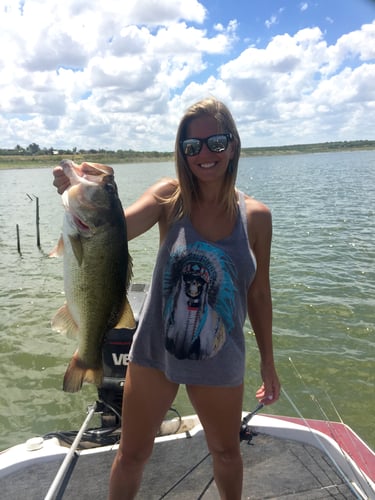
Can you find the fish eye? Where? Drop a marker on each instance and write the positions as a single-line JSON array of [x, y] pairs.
[[110, 188]]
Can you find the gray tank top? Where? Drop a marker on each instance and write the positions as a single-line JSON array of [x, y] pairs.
[[192, 323]]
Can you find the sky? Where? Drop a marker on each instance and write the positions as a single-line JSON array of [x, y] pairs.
[[112, 74]]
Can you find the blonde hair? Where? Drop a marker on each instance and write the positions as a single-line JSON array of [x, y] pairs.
[[187, 189]]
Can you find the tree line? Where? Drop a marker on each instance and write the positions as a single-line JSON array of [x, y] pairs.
[[33, 150]]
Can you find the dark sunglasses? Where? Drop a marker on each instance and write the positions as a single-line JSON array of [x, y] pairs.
[[216, 143]]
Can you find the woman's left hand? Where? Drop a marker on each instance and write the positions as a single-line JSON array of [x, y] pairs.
[[269, 391]]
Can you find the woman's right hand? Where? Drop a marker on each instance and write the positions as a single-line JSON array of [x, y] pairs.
[[60, 181]]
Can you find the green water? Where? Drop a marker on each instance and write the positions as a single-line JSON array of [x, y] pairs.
[[323, 283]]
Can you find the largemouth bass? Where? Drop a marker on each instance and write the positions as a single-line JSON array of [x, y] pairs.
[[97, 268]]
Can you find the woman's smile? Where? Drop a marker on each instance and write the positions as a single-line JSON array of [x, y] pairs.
[[207, 165]]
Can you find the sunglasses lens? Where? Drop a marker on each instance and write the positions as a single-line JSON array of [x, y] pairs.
[[217, 143], [191, 147]]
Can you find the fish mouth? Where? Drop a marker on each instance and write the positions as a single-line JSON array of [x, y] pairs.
[[81, 226], [86, 173], [73, 217]]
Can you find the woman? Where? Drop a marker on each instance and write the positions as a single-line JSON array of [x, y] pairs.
[[211, 270]]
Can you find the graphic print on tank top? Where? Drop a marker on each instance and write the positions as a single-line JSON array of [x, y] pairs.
[[198, 300]]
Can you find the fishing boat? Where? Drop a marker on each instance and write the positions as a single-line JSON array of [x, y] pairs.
[[284, 457]]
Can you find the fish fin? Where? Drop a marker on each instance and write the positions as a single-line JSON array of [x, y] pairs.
[[63, 322], [77, 373], [77, 247], [59, 249], [127, 318]]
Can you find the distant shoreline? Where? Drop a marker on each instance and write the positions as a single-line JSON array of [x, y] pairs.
[[9, 161]]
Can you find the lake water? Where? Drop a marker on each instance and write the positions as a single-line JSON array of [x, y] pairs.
[[323, 284]]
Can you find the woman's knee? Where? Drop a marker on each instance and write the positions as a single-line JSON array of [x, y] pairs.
[[226, 454], [130, 457]]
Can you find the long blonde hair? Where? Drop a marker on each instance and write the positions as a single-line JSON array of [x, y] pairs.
[[187, 189]]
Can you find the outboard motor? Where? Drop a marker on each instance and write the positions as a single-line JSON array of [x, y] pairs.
[[115, 355]]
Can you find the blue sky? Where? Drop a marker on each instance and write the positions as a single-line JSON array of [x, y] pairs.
[[260, 19], [119, 75]]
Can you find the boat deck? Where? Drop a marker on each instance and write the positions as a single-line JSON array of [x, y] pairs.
[[181, 469]]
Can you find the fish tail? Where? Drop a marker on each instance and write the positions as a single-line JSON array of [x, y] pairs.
[[77, 373]]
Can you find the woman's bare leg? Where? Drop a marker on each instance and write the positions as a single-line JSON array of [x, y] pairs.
[[148, 396], [219, 410]]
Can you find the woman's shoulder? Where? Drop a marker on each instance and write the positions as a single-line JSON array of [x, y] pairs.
[[255, 207], [164, 188], [259, 223]]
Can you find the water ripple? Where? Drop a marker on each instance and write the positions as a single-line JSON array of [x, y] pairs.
[[322, 274]]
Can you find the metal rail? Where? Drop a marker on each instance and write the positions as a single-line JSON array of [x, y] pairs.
[[56, 483]]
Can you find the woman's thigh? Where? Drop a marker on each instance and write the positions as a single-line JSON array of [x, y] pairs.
[[148, 395], [220, 412]]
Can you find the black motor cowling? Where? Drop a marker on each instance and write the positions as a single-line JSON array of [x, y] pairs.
[[116, 347], [115, 356]]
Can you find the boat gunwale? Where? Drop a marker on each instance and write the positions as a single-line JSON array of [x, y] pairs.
[[356, 461]]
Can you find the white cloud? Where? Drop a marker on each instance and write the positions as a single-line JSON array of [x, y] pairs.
[[88, 75], [301, 85], [157, 12], [271, 21], [357, 44]]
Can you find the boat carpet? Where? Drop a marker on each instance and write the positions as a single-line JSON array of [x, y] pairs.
[[273, 469]]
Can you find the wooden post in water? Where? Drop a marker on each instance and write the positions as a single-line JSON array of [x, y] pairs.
[[18, 239], [37, 222]]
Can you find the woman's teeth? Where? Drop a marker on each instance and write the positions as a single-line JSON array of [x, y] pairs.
[[207, 165]]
